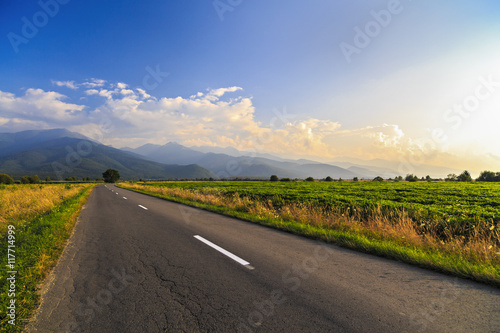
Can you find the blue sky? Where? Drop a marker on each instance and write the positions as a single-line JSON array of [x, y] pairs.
[[233, 72]]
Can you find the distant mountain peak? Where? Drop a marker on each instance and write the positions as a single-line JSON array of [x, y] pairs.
[[173, 144]]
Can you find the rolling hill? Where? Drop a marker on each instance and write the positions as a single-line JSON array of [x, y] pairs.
[[59, 154]]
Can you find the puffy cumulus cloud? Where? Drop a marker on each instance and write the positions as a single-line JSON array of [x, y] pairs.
[[298, 138], [205, 118], [39, 108], [111, 90], [121, 85], [92, 92], [386, 141], [143, 94], [209, 119]]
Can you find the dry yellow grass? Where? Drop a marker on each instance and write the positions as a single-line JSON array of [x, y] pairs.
[[479, 247], [21, 202]]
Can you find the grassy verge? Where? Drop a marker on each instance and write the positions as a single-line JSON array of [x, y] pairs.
[[39, 243], [395, 238]]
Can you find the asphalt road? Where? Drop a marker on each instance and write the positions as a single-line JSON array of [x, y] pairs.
[[135, 265]]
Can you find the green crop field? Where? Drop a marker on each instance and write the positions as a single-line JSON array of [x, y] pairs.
[[445, 202]]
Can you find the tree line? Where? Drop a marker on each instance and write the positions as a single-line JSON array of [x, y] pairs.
[[109, 176]]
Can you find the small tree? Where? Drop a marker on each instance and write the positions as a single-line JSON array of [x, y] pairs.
[[273, 178], [489, 176], [355, 179], [309, 179], [47, 179], [111, 176], [451, 178], [378, 179], [464, 177], [328, 179], [411, 178], [6, 179], [25, 180], [34, 179]]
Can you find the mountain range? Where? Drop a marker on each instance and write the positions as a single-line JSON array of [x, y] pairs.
[[230, 163], [242, 166], [59, 153]]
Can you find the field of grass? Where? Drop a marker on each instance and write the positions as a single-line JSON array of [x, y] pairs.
[[450, 227], [36, 220], [19, 203]]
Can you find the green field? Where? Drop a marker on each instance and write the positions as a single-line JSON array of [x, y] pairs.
[[445, 202], [35, 222], [451, 227]]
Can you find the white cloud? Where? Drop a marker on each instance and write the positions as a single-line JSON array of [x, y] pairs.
[[106, 93], [92, 92], [126, 92], [143, 93], [132, 118], [94, 83], [68, 84], [37, 105], [205, 119], [221, 91]]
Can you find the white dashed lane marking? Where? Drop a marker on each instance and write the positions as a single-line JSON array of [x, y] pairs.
[[225, 252]]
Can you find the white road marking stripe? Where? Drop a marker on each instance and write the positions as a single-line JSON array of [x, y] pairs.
[[225, 252], [143, 207], [124, 198]]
